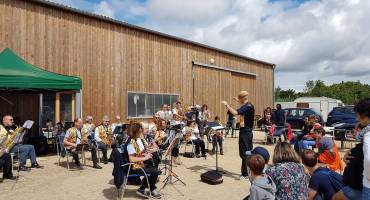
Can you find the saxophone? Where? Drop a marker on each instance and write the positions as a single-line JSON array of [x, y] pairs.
[[8, 143]]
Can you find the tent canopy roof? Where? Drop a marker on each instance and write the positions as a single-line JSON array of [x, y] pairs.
[[18, 75]]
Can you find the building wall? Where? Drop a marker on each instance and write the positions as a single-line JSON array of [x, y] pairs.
[[112, 59]]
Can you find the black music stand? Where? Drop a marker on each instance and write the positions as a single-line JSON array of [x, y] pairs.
[[216, 127], [171, 174]]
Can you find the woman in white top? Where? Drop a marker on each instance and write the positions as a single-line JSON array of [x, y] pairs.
[[363, 114], [137, 155], [191, 132]]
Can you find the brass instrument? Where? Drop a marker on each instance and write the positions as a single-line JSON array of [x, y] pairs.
[[8, 143]]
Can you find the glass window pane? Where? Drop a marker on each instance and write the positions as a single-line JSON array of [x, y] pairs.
[[167, 100], [131, 105], [158, 102], [66, 107], [48, 108]]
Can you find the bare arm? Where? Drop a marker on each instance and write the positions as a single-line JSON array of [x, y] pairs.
[[311, 194], [229, 108]]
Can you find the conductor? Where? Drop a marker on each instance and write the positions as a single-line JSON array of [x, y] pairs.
[[246, 112]]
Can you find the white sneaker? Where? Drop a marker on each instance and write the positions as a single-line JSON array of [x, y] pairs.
[[244, 178], [155, 194]]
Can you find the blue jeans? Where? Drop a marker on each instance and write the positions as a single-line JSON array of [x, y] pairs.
[[25, 151], [351, 194], [365, 193]]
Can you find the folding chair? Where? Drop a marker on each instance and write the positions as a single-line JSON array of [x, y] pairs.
[[61, 148], [122, 189]]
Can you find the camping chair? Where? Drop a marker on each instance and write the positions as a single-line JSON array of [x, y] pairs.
[[122, 189], [61, 148]]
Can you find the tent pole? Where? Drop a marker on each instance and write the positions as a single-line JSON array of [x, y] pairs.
[[40, 112]]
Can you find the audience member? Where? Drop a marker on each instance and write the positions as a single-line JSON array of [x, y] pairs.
[[262, 186], [363, 113], [328, 152], [324, 183], [262, 152], [288, 174]]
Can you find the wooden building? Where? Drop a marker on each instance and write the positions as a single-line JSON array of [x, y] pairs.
[[126, 69]]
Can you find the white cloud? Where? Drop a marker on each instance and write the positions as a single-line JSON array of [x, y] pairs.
[[103, 8], [319, 39]]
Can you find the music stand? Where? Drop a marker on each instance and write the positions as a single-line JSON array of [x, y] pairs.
[[171, 174], [216, 127]]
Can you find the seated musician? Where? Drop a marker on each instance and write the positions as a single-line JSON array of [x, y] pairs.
[[73, 138], [165, 113], [218, 137], [141, 158], [5, 159], [150, 144], [160, 134], [87, 128], [191, 133], [102, 136], [178, 120], [25, 150]]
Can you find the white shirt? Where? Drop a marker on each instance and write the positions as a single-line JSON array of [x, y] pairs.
[[131, 148], [165, 115], [366, 149], [194, 132]]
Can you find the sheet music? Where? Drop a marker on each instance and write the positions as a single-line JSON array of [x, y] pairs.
[[217, 128], [28, 124]]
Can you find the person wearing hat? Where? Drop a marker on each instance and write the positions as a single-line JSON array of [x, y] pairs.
[[262, 152], [246, 112]]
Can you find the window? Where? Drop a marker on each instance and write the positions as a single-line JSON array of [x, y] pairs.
[[144, 105], [66, 107], [48, 108]]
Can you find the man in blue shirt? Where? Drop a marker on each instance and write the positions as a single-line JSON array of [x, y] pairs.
[[324, 183], [246, 112]]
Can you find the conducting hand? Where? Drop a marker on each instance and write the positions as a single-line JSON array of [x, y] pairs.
[[225, 103]]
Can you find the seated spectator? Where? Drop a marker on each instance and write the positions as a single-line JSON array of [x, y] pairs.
[[288, 174], [309, 140], [262, 186], [262, 152], [352, 175], [324, 183], [328, 152]]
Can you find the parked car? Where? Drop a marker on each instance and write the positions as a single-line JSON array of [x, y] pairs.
[[344, 114], [340, 129], [295, 116]]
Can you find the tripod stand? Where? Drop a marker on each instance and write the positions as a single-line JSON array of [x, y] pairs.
[[171, 175]]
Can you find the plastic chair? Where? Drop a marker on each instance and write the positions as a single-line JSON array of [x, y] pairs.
[[122, 189]]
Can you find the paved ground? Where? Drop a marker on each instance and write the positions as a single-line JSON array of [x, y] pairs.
[[56, 182]]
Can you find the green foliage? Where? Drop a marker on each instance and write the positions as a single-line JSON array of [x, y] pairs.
[[349, 92]]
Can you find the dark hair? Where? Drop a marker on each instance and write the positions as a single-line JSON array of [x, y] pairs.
[[178, 102], [204, 106], [278, 106], [363, 108], [256, 164], [283, 152], [217, 118], [321, 131], [133, 129], [309, 158], [189, 122]]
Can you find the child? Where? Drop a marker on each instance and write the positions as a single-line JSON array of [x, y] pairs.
[[262, 185]]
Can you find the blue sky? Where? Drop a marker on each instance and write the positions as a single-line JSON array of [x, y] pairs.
[[306, 39]]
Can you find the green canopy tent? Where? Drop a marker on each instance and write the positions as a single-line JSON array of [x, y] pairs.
[[18, 75]]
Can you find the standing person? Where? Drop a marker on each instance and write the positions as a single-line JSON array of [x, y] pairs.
[[262, 186], [288, 174], [324, 183], [363, 114], [246, 112], [279, 116]]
